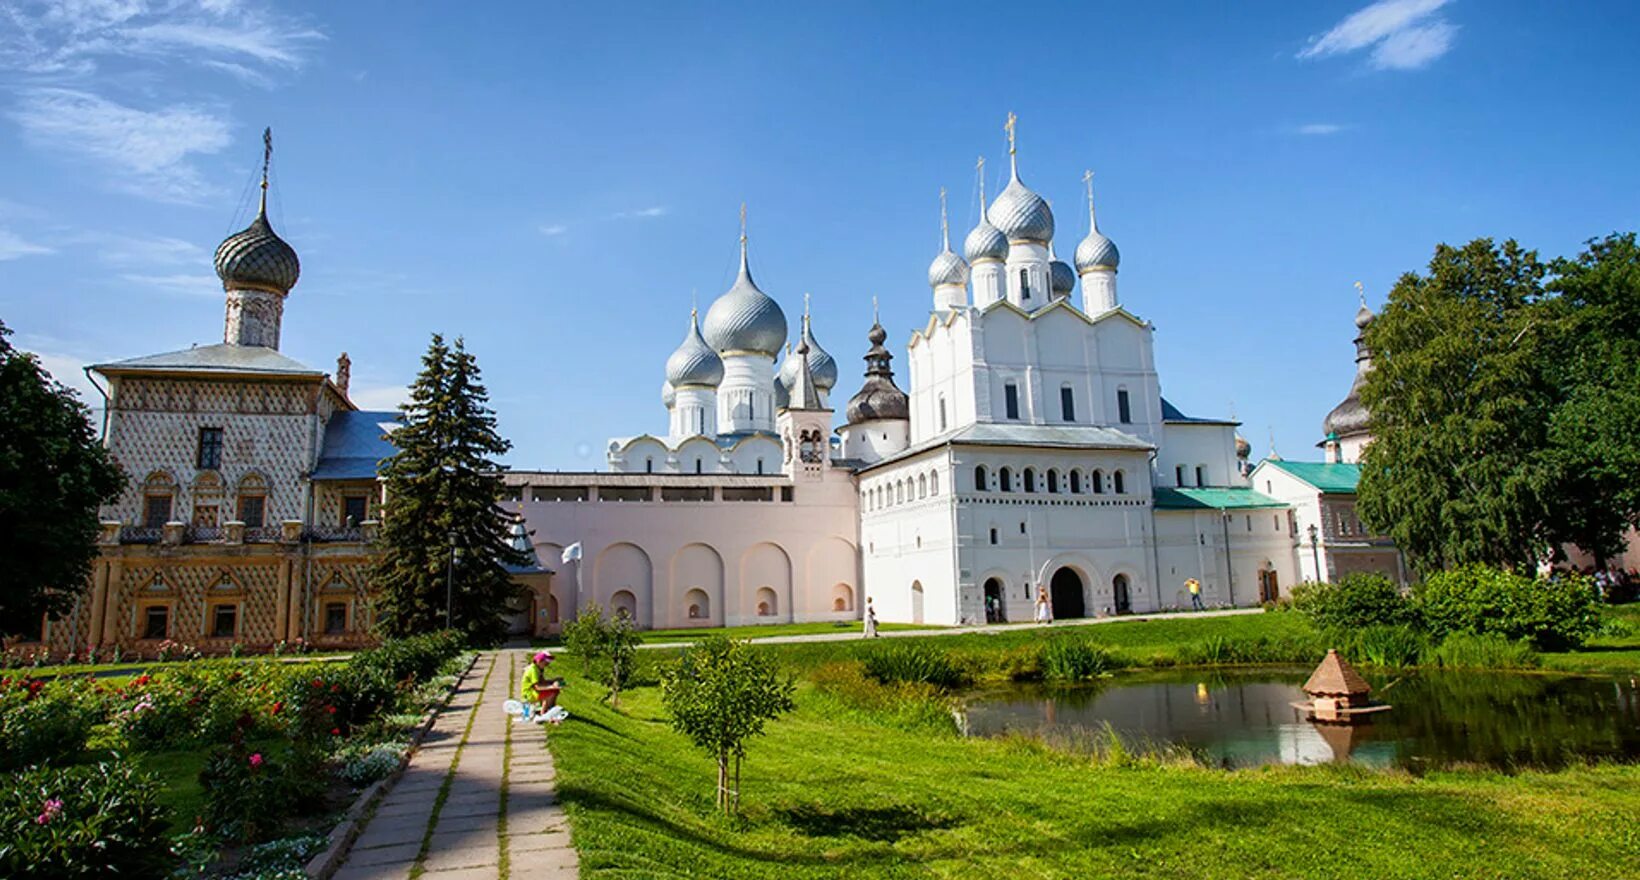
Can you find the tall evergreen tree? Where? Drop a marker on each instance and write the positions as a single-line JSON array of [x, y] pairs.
[[442, 487], [1457, 471], [53, 476]]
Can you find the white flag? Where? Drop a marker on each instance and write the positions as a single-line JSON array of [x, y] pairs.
[[572, 553]]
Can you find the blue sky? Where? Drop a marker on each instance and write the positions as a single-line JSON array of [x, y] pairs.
[[556, 181]]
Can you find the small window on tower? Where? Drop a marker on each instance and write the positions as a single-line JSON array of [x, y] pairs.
[[1067, 403], [1124, 412], [1010, 400], [1201, 475], [942, 412], [1024, 284]]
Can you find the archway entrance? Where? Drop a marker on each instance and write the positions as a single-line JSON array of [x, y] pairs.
[[1124, 596], [1066, 591], [994, 611]]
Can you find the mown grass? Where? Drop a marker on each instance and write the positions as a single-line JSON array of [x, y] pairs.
[[835, 793], [760, 631]]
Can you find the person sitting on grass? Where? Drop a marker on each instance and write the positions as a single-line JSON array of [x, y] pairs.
[[538, 693]]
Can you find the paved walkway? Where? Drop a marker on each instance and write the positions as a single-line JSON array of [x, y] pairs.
[[854, 635], [477, 801]]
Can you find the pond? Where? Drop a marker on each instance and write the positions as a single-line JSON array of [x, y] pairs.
[[1245, 718]]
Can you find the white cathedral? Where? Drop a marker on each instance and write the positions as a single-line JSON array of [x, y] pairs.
[[1034, 449]]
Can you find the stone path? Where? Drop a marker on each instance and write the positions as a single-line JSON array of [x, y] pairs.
[[477, 801], [854, 635]]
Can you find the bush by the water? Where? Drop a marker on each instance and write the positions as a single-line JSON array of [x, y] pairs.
[[1554, 614], [103, 820], [1354, 600], [917, 663], [1068, 658]]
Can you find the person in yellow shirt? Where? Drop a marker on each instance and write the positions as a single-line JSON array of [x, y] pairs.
[[537, 692], [1195, 588]]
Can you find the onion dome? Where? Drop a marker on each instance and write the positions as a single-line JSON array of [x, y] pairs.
[[821, 363], [1019, 213], [694, 362], [745, 319], [256, 258], [1350, 417], [1363, 317], [1060, 276], [984, 241], [947, 268], [669, 395], [1096, 252], [878, 397]]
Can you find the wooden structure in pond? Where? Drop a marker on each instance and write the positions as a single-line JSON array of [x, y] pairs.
[[1337, 693]]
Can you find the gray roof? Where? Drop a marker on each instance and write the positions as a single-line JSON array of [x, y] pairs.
[[1041, 436], [1171, 413], [218, 358], [355, 445]]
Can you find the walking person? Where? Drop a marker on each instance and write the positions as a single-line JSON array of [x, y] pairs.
[[871, 620], [1195, 588], [1044, 609]]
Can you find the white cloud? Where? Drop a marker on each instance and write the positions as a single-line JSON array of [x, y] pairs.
[[554, 230], [137, 250], [383, 397], [13, 246], [642, 213], [1403, 34], [1318, 129], [147, 152], [69, 37], [185, 285], [70, 371]]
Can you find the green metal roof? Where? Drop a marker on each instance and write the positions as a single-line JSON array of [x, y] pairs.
[[1341, 478], [1213, 499]]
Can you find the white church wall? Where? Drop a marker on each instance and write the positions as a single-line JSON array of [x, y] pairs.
[[747, 456], [1210, 447], [1191, 544]]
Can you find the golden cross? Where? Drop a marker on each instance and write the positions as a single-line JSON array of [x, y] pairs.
[[1362, 293], [1010, 127]]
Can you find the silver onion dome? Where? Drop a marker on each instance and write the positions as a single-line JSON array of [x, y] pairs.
[[745, 319], [1363, 317], [1097, 252], [821, 364], [256, 258], [1021, 214], [985, 242], [669, 395], [694, 362], [947, 268], [1062, 279]]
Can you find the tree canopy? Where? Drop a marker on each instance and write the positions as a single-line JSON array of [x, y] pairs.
[[1502, 405], [53, 476], [442, 487]]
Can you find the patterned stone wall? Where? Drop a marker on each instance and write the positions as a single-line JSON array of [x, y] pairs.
[[328, 498], [269, 428]]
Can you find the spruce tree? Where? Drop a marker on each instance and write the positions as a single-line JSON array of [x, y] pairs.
[[442, 488], [53, 476]]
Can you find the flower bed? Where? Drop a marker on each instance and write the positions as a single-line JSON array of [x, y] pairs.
[[285, 748]]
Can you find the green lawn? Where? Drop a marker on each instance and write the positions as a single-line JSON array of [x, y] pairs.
[[831, 792], [763, 631], [1610, 654]]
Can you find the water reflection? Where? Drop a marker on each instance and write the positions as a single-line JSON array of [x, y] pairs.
[[1246, 719]]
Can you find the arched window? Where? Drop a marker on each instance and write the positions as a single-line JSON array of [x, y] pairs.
[[698, 466], [980, 484], [993, 534], [1096, 481], [768, 604], [1076, 482], [1201, 474], [649, 465], [158, 494], [1030, 479], [1006, 477], [942, 412], [1178, 475], [1116, 484], [933, 482], [253, 501], [1053, 481], [922, 487], [1024, 284]]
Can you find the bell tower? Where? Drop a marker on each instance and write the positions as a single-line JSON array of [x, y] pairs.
[[804, 424]]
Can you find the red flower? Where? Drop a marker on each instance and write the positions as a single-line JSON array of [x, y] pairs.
[[335, 731], [317, 683], [256, 759], [330, 710], [335, 688], [276, 708]]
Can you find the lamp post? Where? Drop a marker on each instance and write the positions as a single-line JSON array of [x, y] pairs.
[[1315, 551], [449, 578]]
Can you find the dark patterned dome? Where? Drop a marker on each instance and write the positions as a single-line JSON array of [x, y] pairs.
[[257, 258], [879, 397]]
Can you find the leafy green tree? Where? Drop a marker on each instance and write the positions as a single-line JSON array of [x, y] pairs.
[[53, 476], [1593, 436], [608, 647], [1458, 470], [1355, 600], [442, 488], [1554, 614], [720, 694]]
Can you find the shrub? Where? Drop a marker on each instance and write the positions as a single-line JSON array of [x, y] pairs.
[[365, 763], [41, 723], [1072, 659], [915, 707], [1554, 614], [89, 821], [607, 648], [248, 792], [1354, 600], [1383, 645], [916, 663], [1467, 651]]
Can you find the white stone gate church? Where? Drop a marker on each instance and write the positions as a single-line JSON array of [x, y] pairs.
[[1035, 447]]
